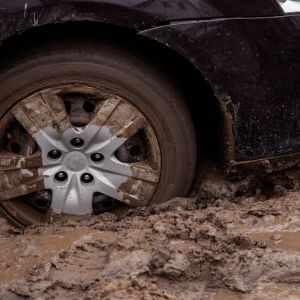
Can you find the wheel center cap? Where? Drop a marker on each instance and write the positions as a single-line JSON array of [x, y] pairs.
[[75, 161]]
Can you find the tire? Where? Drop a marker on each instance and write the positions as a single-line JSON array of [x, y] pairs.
[[128, 75]]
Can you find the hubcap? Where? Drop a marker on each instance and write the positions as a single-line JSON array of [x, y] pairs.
[[108, 153]]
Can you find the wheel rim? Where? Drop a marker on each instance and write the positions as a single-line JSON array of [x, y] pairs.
[[76, 150]]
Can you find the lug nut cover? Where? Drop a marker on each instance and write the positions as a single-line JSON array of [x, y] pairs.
[[77, 142], [97, 157], [61, 176], [87, 178], [54, 154]]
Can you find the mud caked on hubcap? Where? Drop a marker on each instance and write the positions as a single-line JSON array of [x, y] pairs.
[[53, 145]]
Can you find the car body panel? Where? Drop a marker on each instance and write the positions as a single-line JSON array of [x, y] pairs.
[[246, 50], [253, 67], [17, 16]]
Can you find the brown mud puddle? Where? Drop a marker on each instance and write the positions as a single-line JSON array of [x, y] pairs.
[[263, 292], [277, 232], [18, 253], [283, 240]]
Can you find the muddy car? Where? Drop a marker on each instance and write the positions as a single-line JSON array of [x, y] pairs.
[[110, 103]]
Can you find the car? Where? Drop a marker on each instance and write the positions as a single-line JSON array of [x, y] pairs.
[[115, 103]]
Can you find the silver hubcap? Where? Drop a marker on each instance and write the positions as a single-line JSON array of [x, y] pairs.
[[79, 163], [75, 193]]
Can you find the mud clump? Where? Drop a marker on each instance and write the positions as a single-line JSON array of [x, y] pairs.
[[222, 242]]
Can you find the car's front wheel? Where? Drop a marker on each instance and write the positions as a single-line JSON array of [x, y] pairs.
[[83, 129]]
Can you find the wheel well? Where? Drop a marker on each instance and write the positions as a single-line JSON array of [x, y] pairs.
[[205, 109]]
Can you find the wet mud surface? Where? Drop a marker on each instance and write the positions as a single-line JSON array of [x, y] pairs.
[[235, 239]]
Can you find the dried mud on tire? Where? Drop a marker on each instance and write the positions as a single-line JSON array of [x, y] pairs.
[[232, 240]]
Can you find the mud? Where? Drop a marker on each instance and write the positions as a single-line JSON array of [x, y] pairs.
[[235, 239]]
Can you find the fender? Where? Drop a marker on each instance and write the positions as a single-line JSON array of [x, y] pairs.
[[252, 64], [17, 16]]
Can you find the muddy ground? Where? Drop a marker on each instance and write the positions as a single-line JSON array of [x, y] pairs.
[[237, 239]]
